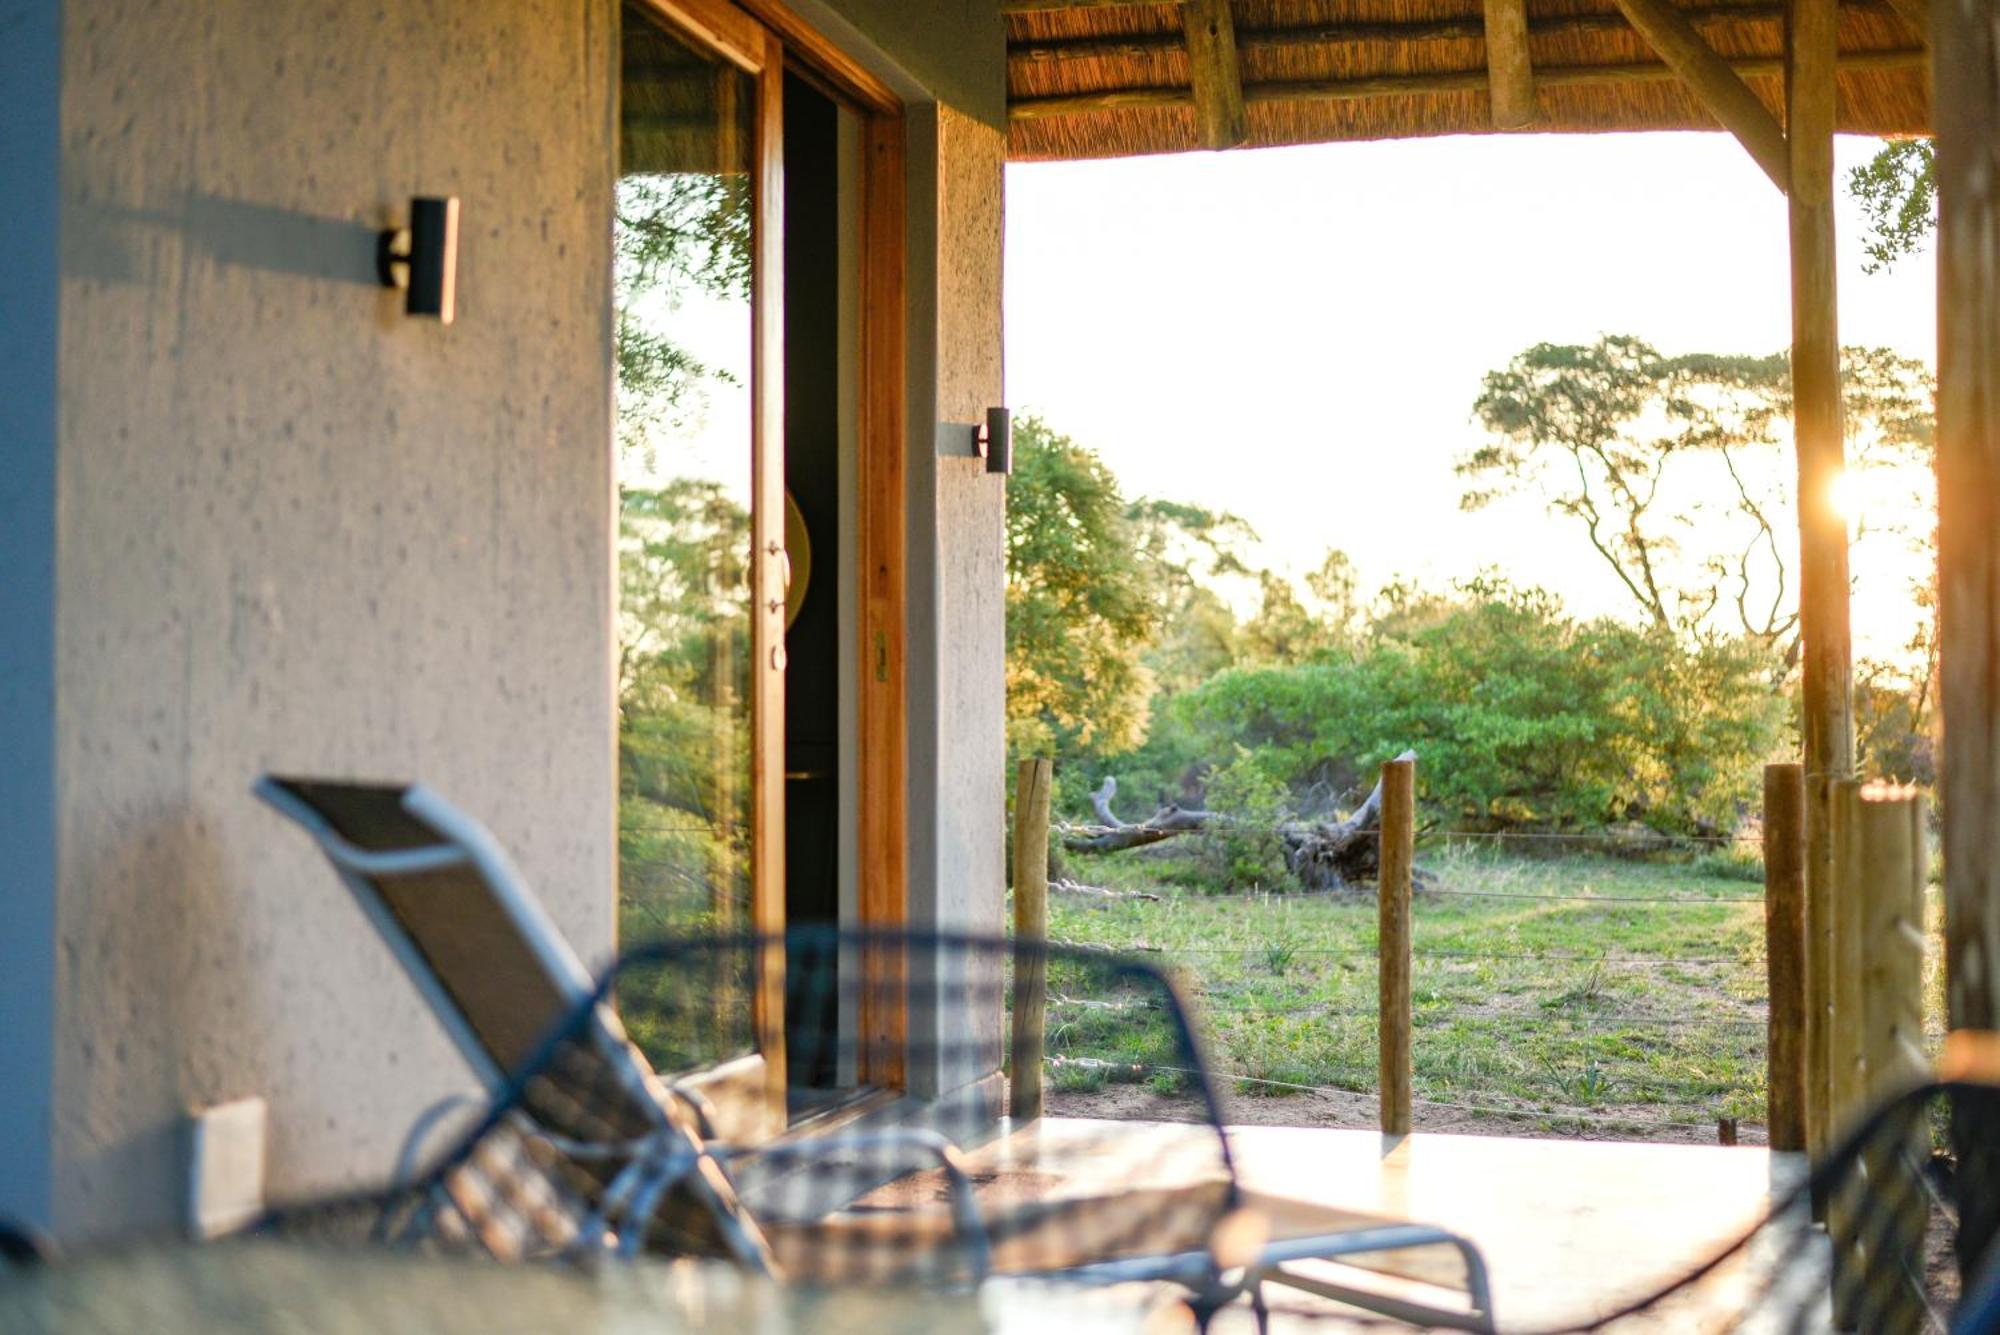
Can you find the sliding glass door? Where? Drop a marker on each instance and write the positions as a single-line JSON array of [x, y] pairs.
[[701, 561]]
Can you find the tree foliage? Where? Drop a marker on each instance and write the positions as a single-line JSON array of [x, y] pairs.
[[1081, 608], [1523, 715], [1897, 189], [1673, 470], [675, 235]]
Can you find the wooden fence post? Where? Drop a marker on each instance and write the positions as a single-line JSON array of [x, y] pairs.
[[1843, 1034], [1397, 857], [1896, 868], [1844, 1051], [1819, 973], [1031, 927], [1883, 867], [1785, 952]]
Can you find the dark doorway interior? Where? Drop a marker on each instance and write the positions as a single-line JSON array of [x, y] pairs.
[[812, 306]]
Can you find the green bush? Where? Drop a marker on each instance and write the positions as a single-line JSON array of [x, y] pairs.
[[1241, 850], [1520, 715]]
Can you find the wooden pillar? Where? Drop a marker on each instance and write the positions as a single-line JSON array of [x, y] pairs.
[[1221, 120], [1883, 855], [1398, 857], [1827, 696], [1843, 1207], [1031, 929], [1966, 47], [1895, 866], [1510, 73], [1785, 953], [1850, 883]]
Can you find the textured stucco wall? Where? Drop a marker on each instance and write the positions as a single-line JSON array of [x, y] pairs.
[[957, 580], [971, 527], [30, 143], [301, 531]]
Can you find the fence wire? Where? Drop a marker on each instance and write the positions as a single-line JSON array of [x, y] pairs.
[[1572, 1033]]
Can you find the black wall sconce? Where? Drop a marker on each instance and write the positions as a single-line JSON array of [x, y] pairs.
[[996, 441], [992, 440], [422, 259]]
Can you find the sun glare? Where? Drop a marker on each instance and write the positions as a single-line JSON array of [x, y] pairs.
[[1845, 492]]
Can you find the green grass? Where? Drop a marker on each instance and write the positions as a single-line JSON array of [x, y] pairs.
[[1638, 996]]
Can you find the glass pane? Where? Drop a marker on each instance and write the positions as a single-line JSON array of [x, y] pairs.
[[683, 259]]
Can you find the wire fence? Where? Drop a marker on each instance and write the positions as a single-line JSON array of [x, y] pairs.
[[1614, 1041]]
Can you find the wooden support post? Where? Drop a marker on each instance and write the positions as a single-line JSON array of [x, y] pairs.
[[1397, 860], [1510, 74], [1828, 726], [1220, 118], [1031, 928], [1895, 867], [1844, 1054], [1717, 86], [1819, 982], [1966, 48], [1842, 1206], [1889, 869], [1785, 952]]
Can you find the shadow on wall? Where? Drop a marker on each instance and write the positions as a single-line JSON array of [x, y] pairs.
[[229, 231]]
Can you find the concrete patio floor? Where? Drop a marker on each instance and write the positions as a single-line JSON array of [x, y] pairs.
[[1570, 1229]]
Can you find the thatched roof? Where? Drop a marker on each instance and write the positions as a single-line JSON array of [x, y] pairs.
[[1099, 78]]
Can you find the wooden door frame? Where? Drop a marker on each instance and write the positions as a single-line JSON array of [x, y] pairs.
[[761, 36], [881, 540]]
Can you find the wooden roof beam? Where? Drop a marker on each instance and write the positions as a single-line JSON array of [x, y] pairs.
[[1510, 74], [1305, 36], [1718, 87], [1422, 85], [1220, 118]]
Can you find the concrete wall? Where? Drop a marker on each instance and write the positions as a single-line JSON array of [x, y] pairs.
[[301, 531], [957, 578], [956, 50], [30, 147], [268, 522]]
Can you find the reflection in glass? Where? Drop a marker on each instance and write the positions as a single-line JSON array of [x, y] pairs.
[[682, 246]]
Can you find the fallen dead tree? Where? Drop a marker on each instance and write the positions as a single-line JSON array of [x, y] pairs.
[[1323, 855]]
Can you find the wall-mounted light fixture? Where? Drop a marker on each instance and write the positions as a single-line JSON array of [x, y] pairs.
[[996, 441], [992, 440], [422, 259]]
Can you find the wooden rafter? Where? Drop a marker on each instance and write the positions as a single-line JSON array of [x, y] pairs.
[[1510, 74], [1303, 36], [1407, 85], [1718, 87], [1220, 118]]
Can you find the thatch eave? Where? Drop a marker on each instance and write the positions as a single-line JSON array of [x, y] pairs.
[[1105, 79]]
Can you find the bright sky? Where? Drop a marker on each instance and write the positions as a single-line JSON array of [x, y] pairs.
[[1298, 335]]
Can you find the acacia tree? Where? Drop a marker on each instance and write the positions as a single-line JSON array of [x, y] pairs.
[[1672, 470]]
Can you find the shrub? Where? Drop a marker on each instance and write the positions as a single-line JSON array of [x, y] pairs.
[[1242, 850], [1520, 715]]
